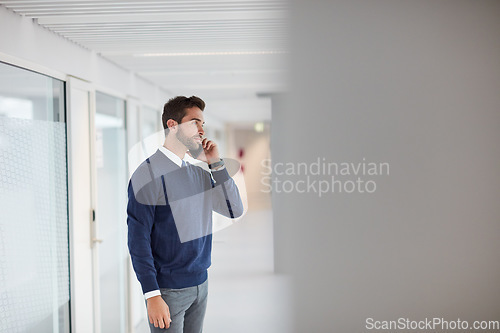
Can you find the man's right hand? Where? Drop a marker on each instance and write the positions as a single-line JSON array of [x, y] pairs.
[[158, 312]]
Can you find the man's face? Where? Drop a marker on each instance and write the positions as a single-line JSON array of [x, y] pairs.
[[191, 128]]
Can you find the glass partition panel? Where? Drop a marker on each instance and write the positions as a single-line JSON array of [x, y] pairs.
[[111, 162], [150, 121], [34, 251], [151, 131]]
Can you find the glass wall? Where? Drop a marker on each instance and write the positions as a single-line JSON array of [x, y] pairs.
[[151, 131], [34, 251], [111, 162], [150, 121]]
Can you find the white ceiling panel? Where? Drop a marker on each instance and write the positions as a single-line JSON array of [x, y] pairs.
[[222, 48]]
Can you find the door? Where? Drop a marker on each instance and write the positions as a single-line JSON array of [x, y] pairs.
[[111, 188], [82, 227], [34, 250], [98, 206]]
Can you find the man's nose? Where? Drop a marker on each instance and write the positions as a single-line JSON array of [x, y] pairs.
[[201, 132]]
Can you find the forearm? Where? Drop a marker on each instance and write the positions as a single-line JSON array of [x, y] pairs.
[[226, 196]]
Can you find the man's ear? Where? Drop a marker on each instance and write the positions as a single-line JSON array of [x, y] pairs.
[[172, 125]]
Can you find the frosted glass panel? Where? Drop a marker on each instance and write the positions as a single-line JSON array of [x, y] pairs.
[[150, 121], [34, 253], [152, 136], [111, 209]]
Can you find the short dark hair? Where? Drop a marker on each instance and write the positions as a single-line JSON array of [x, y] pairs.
[[176, 107]]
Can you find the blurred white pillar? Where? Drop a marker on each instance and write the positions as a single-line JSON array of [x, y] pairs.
[[414, 84]]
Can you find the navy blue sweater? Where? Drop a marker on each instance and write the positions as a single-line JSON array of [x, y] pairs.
[[170, 220]]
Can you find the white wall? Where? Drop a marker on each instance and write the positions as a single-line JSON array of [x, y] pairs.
[[24, 43], [242, 110], [415, 84]]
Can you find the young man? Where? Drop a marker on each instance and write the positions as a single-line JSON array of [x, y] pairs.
[[170, 218]]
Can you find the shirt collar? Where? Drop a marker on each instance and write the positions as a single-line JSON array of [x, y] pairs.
[[174, 158]]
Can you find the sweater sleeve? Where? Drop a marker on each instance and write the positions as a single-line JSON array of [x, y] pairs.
[[225, 195], [140, 219]]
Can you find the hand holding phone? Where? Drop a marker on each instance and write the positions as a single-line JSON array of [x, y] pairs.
[[207, 151]]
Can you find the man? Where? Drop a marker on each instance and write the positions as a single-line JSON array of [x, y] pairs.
[[170, 218]]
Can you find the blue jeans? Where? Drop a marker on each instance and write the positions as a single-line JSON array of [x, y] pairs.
[[187, 309]]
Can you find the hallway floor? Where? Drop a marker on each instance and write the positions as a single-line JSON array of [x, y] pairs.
[[245, 294]]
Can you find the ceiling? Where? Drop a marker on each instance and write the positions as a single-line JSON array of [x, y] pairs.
[[218, 49]]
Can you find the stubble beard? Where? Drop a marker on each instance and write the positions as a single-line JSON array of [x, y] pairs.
[[187, 141]]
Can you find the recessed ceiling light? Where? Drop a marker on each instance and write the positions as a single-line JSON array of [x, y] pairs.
[[259, 127]]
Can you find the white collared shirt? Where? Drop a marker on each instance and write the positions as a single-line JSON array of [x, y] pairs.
[[178, 161], [174, 158]]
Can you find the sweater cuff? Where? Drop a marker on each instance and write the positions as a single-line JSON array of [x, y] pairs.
[[220, 176], [149, 283]]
